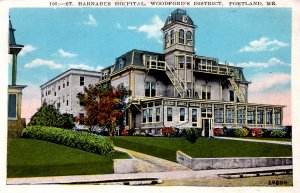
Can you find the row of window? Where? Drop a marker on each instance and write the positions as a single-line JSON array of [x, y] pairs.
[[241, 115], [185, 38], [64, 85], [150, 114]]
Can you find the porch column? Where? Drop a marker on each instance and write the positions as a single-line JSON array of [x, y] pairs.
[[265, 117], [273, 118], [246, 116], [235, 115], [256, 116]]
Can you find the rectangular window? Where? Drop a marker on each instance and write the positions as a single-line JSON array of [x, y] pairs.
[[182, 114], [180, 61], [58, 105], [169, 114], [67, 102], [81, 80], [219, 114], [157, 114], [229, 115], [194, 115], [150, 92], [54, 93], [12, 106], [269, 117], [68, 83], [208, 92], [231, 95], [63, 85], [241, 116], [188, 62], [277, 118], [150, 116], [153, 89], [147, 89], [144, 116], [58, 87], [251, 117], [203, 92], [260, 117]]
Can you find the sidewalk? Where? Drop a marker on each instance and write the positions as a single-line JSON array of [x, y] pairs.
[[256, 140], [149, 164], [187, 174]]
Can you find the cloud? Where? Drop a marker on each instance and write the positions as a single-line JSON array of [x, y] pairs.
[[27, 49], [65, 54], [91, 21], [271, 62], [118, 26], [152, 30], [31, 101], [273, 97], [132, 27], [40, 62], [263, 44], [85, 67], [265, 81]]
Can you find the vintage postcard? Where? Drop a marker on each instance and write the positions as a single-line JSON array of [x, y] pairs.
[[150, 95]]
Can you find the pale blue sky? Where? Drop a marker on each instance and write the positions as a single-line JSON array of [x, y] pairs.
[[56, 39]]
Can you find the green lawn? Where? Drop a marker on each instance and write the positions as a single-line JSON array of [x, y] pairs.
[[30, 157], [204, 147]]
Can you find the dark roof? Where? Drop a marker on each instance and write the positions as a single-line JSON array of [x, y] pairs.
[[134, 57], [14, 48], [178, 16]]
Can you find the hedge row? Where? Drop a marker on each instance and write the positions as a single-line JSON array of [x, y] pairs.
[[80, 140]]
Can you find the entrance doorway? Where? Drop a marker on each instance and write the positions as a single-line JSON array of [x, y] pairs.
[[206, 125]]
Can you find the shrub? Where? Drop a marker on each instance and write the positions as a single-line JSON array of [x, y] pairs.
[[241, 132], [168, 131], [256, 132], [229, 132], [192, 134], [143, 134], [48, 115], [80, 140], [277, 133], [218, 131]]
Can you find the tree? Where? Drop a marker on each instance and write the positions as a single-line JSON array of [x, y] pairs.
[[48, 115], [104, 105]]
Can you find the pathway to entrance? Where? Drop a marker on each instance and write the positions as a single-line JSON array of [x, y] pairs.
[[254, 140], [149, 164]]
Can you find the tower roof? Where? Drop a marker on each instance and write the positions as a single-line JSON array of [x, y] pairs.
[[179, 15], [14, 48]]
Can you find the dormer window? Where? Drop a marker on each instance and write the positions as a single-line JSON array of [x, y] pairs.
[[181, 36], [172, 37], [189, 39]]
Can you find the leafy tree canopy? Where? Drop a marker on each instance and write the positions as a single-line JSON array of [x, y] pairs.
[[104, 105], [48, 115]]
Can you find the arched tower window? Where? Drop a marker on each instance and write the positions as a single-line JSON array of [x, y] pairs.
[[189, 39], [172, 37], [166, 40], [181, 36]]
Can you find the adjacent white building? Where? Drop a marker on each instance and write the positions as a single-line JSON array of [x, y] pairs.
[[62, 90]]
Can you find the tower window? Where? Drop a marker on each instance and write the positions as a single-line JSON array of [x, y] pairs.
[[188, 62], [12, 106], [150, 89], [189, 39], [172, 37], [181, 36], [180, 61], [166, 40]]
